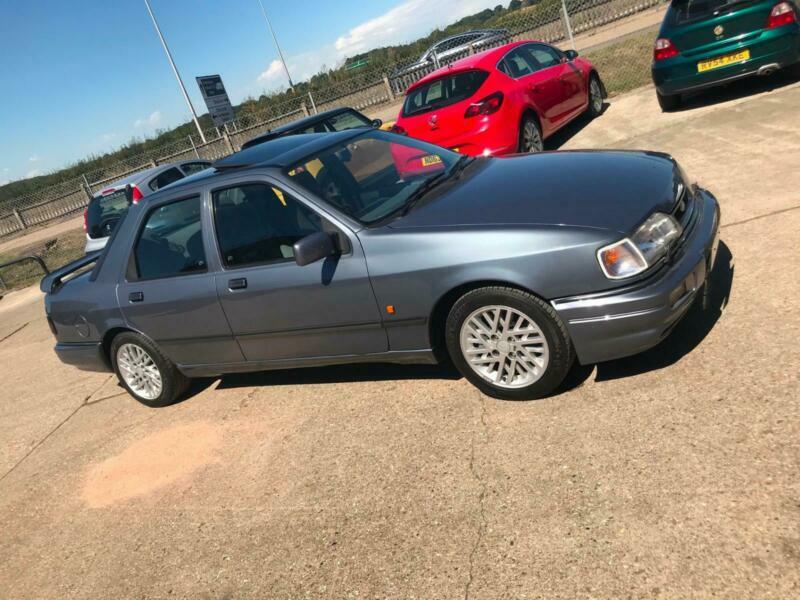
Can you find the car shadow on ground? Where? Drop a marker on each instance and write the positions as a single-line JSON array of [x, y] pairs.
[[689, 333], [735, 90], [571, 129]]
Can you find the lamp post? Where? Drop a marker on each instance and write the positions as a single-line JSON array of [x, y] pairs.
[[277, 45], [175, 70]]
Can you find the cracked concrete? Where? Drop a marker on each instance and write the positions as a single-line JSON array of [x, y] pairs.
[[673, 474]]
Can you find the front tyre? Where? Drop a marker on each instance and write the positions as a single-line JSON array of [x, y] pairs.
[[668, 102], [145, 372], [508, 343]]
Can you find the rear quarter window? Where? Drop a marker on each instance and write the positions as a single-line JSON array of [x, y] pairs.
[[444, 91]]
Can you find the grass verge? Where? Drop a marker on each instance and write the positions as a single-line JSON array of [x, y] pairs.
[[625, 66]]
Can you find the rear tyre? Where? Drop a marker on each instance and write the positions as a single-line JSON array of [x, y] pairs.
[[595, 96], [668, 102], [145, 372], [508, 343], [530, 136]]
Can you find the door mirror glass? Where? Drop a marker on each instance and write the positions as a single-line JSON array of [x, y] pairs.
[[571, 54], [377, 123], [313, 247]]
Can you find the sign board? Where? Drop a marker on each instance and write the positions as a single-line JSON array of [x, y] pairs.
[[217, 102]]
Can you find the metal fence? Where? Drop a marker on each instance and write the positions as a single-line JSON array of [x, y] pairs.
[[596, 27]]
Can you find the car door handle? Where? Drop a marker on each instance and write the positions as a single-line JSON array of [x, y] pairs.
[[536, 88], [136, 297], [237, 284]]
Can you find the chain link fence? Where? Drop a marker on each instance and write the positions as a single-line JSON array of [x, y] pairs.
[[595, 27]]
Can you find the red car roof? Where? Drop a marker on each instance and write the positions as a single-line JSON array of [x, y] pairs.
[[486, 60]]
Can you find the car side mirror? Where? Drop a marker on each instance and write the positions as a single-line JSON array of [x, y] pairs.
[[571, 54], [313, 247], [377, 123]]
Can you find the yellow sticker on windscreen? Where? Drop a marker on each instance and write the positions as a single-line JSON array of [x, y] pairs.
[[431, 159]]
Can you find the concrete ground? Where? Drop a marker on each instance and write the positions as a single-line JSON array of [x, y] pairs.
[[671, 474]]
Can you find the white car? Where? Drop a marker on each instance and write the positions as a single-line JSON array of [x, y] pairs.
[[107, 207]]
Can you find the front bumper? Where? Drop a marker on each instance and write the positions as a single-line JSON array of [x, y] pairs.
[[87, 356], [620, 323], [679, 74]]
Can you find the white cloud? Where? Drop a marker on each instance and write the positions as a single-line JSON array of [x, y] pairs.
[[273, 73], [34, 159], [151, 121], [405, 22], [32, 173]]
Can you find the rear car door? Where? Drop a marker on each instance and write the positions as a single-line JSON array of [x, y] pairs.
[[277, 309], [169, 294]]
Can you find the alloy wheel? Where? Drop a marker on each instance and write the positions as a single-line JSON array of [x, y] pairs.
[[531, 138], [504, 346], [139, 371], [595, 95]]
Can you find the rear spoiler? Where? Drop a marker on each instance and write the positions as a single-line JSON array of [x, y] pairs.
[[50, 282]]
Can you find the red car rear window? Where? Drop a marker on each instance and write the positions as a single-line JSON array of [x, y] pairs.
[[443, 91]]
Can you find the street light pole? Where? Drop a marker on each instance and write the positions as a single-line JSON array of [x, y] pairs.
[[175, 70], [277, 45]]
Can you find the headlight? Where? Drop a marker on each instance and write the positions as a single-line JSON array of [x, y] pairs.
[[643, 249]]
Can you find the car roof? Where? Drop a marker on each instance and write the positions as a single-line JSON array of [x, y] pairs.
[[284, 151], [141, 176], [486, 60], [303, 123]]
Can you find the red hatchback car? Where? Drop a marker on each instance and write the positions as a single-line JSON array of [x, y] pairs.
[[501, 101]]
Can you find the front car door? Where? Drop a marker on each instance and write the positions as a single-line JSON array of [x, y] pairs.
[[573, 87], [277, 309], [538, 86], [167, 291]]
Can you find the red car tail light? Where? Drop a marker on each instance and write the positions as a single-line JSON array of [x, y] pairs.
[[782, 14], [487, 106], [86, 220], [664, 49], [136, 194], [398, 130]]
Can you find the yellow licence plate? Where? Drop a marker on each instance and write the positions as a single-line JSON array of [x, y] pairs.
[[432, 159], [722, 61]]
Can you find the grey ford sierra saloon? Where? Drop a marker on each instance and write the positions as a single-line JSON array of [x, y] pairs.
[[366, 246]]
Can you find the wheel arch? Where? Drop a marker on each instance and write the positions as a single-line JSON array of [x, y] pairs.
[[442, 306], [108, 339]]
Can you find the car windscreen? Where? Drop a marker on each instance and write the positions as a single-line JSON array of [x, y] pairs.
[[443, 91], [686, 11], [348, 120], [374, 175], [104, 212]]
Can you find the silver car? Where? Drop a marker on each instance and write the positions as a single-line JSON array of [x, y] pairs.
[[107, 207], [448, 50]]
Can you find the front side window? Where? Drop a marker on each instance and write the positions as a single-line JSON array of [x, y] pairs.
[[374, 175], [348, 120], [169, 176], [257, 223], [171, 242], [543, 57], [443, 91]]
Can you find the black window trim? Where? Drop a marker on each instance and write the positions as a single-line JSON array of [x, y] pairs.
[[252, 179], [131, 268]]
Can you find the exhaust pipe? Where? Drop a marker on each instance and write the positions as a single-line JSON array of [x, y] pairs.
[[768, 69]]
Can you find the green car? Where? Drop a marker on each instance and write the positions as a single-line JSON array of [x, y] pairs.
[[703, 43]]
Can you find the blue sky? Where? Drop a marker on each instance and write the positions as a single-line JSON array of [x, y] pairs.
[[85, 76]]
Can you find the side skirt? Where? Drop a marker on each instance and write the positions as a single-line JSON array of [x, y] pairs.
[[423, 357]]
